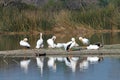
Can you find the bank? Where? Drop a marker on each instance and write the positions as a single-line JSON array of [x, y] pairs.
[[106, 51]]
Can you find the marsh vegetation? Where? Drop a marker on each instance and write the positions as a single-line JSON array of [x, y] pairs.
[[56, 16]]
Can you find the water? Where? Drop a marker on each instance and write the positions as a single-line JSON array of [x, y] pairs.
[[11, 42], [13, 69]]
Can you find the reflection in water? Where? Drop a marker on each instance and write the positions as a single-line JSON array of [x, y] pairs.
[[94, 59], [71, 62], [84, 64], [60, 59], [108, 69], [51, 63], [24, 65], [40, 63]]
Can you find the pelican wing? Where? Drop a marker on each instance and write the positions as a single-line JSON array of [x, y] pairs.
[[23, 43], [85, 41], [39, 43], [51, 43]]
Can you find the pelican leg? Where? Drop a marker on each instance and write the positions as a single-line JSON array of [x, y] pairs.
[[68, 50]]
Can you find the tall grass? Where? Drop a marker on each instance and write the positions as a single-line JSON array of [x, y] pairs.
[[26, 20], [29, 18], [98, 18]]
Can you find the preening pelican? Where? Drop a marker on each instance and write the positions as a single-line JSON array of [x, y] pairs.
[[24, 43], [70, 44], [24, 65], [51, 43], [85, 41], [39, 43]]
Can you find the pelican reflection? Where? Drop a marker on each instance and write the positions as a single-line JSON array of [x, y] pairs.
[[84, 64], [71, 62], [24, 65], [51, 63], [94, 59], [40, 63], [60, 59]]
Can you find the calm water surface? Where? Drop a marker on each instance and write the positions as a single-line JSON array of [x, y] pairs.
[[42, 68]]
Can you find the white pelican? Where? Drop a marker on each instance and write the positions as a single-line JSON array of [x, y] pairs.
[[51, 43], [40, 63], [85, 41], [95, 46], [70, 44], [24, 43], [51, 63], [39, 43], [24, 65], [60, 45], [94, 59]]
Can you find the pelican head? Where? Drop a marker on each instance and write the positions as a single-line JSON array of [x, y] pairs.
[[73, 39], [80, 38], [54, 37], [25, 39], [40, 34]]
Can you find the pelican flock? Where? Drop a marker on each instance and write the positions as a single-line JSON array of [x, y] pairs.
[[66, 45]]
